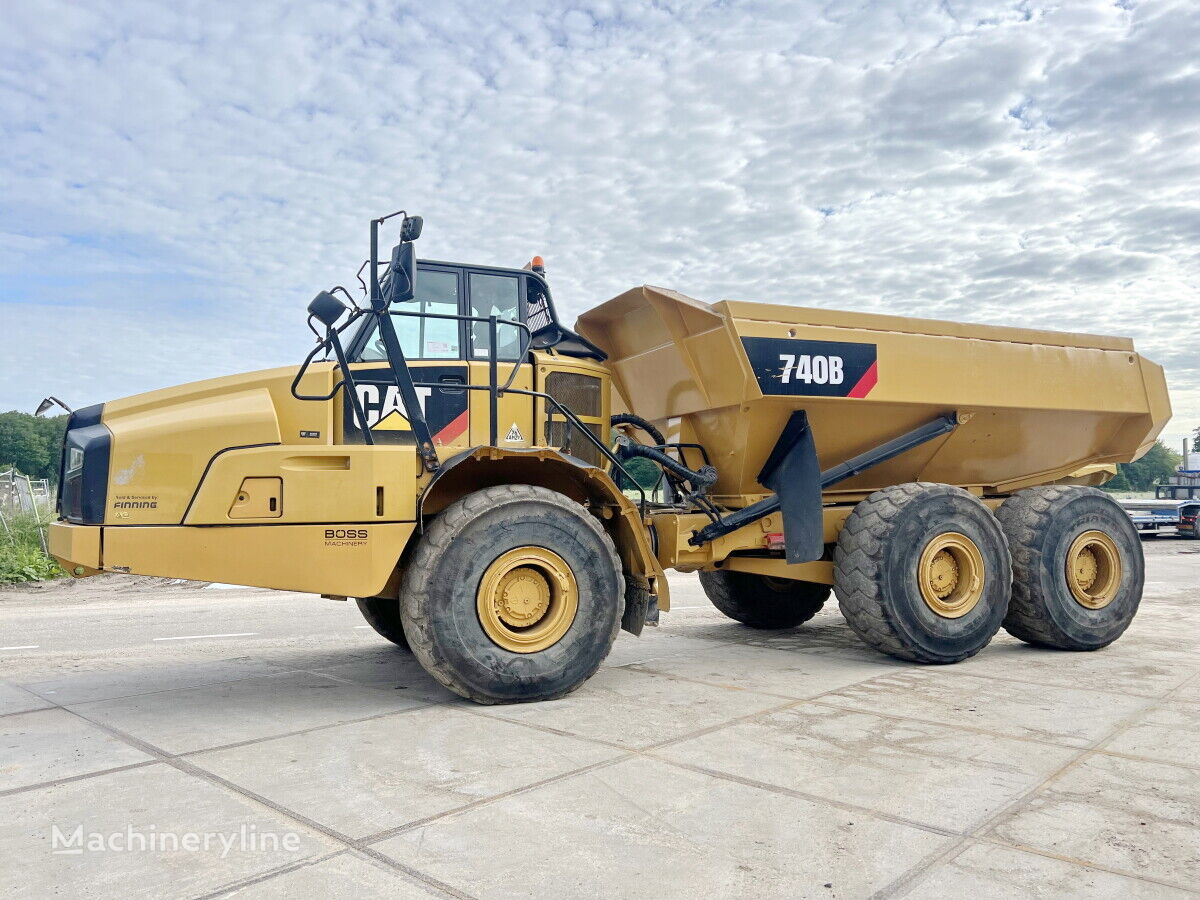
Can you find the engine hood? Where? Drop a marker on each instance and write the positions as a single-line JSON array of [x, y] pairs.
[[163, 441]]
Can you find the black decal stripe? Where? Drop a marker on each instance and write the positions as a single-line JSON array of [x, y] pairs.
[[789, 367]]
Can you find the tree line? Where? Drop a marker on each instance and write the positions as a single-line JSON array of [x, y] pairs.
[[31, 444], [1156, 467]]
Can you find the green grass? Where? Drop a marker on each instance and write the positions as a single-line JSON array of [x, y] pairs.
[[21, 554]]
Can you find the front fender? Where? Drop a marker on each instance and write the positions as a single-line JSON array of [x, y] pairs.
[[482, 467]]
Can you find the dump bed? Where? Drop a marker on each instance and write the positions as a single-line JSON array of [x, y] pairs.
[[1035, 406]]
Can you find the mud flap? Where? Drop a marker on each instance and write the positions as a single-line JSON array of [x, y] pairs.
[[641, 608], [791, 471]]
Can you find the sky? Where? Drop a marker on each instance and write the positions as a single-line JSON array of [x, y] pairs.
[[177, 180]]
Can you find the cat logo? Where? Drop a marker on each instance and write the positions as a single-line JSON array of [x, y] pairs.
[[445, 406], [514, 435]]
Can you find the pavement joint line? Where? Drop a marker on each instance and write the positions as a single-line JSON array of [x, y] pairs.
[[823, 701], [25, 712], [982, 830], [233, 887], [645, 748], [83, 776], [195, 771], [813, 798], [545, 729], [163, 755], [189, 687], [1129, 724], [441, 886], [1146, 759], [1066, 687], [1087, 864], [389, 833], [637, 667], [226, 890], [625, 753], [302, 731], [188, 767]]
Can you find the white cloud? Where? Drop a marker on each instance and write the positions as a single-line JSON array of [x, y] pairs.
[[177, 181]]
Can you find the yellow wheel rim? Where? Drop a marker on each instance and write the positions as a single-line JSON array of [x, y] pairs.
[[1093, 569], [527, 599], [951, 575]]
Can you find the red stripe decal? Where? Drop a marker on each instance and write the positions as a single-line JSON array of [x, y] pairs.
[[870, 377], [453, 430]]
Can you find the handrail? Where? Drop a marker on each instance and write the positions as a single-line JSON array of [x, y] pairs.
[[567, 414], [495, 391], [521, 357]]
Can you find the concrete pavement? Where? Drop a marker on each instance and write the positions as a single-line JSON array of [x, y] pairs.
[[199, 743]]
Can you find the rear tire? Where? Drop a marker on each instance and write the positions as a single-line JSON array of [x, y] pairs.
[[922, 572], [763, 602], [514, 593], [383, 614], [1077, 567]]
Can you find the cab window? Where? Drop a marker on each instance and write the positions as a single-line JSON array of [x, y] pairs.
[[499, 296], [437, 292]]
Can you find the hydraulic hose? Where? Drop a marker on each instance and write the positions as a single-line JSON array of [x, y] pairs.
[[639, 422], [700, 479]]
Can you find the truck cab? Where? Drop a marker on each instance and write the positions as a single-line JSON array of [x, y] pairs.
[[447, 348]]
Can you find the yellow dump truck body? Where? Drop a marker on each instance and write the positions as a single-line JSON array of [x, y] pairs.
[[1034, 406]]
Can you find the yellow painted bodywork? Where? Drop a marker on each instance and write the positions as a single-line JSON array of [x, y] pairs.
[[234, 480], [352, 560], [337, 484], [1035, 406], [76, 547]]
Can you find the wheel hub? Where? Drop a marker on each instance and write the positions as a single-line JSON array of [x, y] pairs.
[[950, 575], [524, 597], [1093, 569], [527, 599]]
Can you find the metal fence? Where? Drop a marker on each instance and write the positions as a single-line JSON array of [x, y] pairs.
[[21, 495]]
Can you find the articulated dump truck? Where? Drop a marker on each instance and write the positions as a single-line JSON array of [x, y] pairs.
[[501, 494]]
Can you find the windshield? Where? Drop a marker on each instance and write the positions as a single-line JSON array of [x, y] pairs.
[[423, 338]]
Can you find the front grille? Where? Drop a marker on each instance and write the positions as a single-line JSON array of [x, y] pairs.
[[578, 393], [567, 438]]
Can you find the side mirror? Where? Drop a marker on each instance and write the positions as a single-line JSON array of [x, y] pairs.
[[49, 403], [403, 283], [411, 230], [326, 309]]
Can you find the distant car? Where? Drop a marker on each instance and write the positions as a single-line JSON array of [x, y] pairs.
[[1187, 527]]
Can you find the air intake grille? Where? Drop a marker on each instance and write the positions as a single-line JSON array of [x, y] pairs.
[[578, 393]]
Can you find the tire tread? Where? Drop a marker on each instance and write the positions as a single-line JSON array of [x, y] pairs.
[[439, 535], [858, 571]]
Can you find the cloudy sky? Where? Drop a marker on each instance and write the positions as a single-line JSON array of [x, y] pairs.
[[176, 180]]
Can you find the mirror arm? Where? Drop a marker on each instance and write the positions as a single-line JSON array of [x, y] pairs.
[[399, 365], [350, 386]]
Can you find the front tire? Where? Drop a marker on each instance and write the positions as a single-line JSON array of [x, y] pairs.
[[1077, 567], [922, 572], [761, 601], [514, 593]]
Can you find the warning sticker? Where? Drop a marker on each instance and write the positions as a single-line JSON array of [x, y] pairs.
[[514, 435]]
